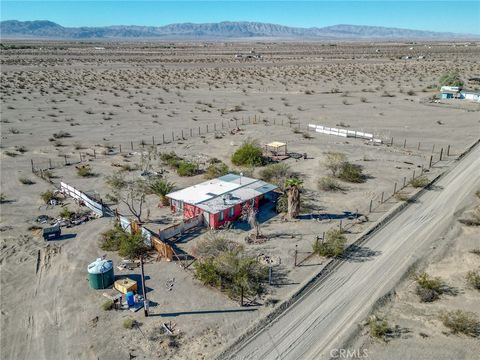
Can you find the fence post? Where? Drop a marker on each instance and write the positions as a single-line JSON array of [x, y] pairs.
[[418, 148], [433, 148], [191, 132], [153, 140], [163, 139], [65, 157], [182, 134], [296, 251], [131, 145], [207, 128], [405, 143], [430, 164], [391, 141], [241, 296], [381, 201], [33, 167], [95, 154], [394, 188], [413, 176], [50, 163], [340, 226], [119, 149], [441, 154], [370, 207], [214, 127], [448, 150], [173, 137], [199, 131]]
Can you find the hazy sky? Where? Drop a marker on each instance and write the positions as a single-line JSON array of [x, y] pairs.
[[454, 16]]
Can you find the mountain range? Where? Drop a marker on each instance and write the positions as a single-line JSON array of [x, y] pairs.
[[223, 30]]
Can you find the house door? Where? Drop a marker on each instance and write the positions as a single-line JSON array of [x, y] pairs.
[[206, 218]]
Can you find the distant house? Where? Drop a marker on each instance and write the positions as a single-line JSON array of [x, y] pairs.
[[456, 92], [220, 200], [471, 95]]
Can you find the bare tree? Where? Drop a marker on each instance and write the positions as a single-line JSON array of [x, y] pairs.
[[249, 214]]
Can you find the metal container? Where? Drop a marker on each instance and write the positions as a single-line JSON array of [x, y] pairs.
[[100, 274]]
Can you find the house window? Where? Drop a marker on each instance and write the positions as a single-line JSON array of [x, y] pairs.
[[231, 212], [221, 216]]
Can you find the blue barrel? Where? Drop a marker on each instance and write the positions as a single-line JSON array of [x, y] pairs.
[[130, 298]]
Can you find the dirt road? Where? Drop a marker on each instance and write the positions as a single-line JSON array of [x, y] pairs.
[[327, 314]]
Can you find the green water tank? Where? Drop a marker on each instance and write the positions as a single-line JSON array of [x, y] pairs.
[[100, 274]]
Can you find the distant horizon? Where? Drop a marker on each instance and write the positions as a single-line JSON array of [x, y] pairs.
[[460, 17], [235, 21]]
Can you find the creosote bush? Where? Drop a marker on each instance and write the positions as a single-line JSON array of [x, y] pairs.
[[428, 288], [85, 171], [129, 323], [107, 305], [48, 195], [26, 181], [276, 174], [473, 279], [223, 264], [459, 321], [333, 245], [248, 154], [351, 173], [216, 169], [379, 328], [66, 213], [128, 245]]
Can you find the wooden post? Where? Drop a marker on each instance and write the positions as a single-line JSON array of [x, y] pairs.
[[370, 207], [241, 296], [49, 164], [433, 148], [33, 167], [340, 226], [391, 141], [418, 148], [173, 137], [131, 145], [119, 148], [441, 154], [404, 181], [95, 154], [394, 188], [65, 157], [413, 176], [182, 134], [163, 138], [448, 150], [430, 163], [381, 201], [199, 131], [191, 133], [153, 140], [405, 143], [207, 128], [214, 127], [296, 252], [145, 301]]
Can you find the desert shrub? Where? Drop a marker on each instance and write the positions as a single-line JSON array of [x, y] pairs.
[[428, 288], [111, 239], [214, 245], [328, 183], [107, 305], [186, 168], [129, 323], [411, 92], [333, 161], [161, 188], [66, 213], [473, 219], [248, 154], [459, 321], [26, 181], [112, 198], [473, 279], [276, 174], [224, 263], [216, 169], [400, 196], [171, 159], [48, 195], [419, 182], [351, 173], [475, 251], [85, 171], [282, 204], [378, 327], [132, 246], [116, 181], [3, 198], [62, 134], [333, 245], [451, 78]]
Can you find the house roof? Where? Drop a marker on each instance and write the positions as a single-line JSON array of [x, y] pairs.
[[222, 193]]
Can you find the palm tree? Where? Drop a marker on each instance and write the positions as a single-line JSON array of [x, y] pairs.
[[162, 187], [293, 187]]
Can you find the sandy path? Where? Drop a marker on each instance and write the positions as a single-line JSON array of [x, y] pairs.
[[326, 315]]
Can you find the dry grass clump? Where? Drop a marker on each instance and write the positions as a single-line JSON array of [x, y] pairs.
[[129, 323], [473, 219], [26, 181], [419, 182], [378, 327], [473, 279], [463, 322], [329, 183]]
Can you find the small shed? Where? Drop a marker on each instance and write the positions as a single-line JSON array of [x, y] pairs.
[[276, 148]]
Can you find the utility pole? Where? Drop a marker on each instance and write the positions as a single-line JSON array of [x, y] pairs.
[[145, 301]]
